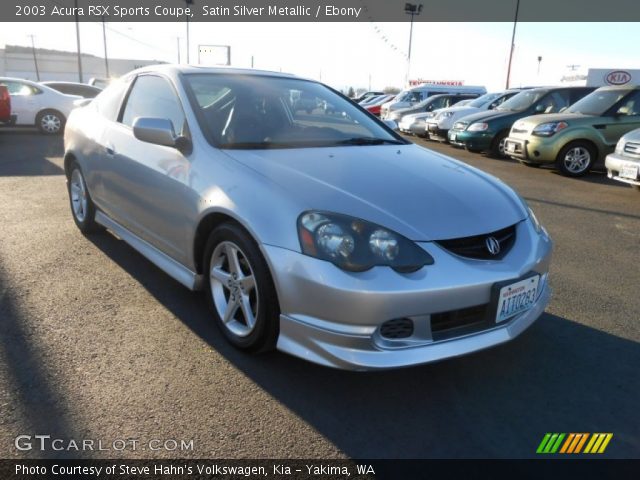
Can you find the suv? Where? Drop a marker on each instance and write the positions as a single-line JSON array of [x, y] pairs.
[[582, 135], [624, 164], [487, 131]]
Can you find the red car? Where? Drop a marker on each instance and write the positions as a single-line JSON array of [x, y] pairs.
[[374, 108], [5, 105]]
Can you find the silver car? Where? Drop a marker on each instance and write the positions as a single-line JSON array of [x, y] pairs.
[[325, 236], [623, 165]]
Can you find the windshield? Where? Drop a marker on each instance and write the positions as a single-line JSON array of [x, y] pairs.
[[484, 99], [598, 102], [253, 112], [522, 100]]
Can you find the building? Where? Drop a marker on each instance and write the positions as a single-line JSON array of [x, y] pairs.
[[17, 61]]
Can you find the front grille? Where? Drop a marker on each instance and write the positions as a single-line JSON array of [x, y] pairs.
[[460, 322], [632, 148], [476, 246], [397, 328]]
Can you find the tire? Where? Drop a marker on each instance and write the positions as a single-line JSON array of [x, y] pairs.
[[531, 164], [472, 150], [257, 330], [83, 209], [576, 159], [50, 122], [497, 146]]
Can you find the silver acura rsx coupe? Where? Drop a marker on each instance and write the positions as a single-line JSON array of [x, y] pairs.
[[324, 235]]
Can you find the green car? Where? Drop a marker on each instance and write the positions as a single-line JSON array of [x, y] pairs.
[[579, 137], [487, 130]]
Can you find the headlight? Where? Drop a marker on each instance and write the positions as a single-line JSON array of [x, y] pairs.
[[620, 146], [478, 127], [356, 245], [431, 114], [536, 223], [445, 115], [459, 125], [548, 129]]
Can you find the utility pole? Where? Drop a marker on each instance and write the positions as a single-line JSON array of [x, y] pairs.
[[104, 39], [413, 10], [251, 61], [78, 42], [35, 60], [539, 62], [178, 39], [513, 40], [188, 2]]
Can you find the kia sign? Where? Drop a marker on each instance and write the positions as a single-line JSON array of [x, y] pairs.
[[600, 77], [619, 77]]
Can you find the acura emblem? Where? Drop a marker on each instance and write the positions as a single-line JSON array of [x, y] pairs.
[[493, 246]]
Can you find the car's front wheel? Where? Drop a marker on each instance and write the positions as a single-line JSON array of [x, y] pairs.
[[240, 291], [50, 122], [576, 159], [82, 208]]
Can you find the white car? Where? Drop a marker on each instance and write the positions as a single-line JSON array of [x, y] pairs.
[[36, 104], [439, 125]]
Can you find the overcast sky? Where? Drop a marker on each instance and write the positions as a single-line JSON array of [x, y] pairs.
[[344, 54]]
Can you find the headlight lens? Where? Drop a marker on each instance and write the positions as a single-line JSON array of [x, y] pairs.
[[548, 129], [356, 245], [478, 127], [620, 146]]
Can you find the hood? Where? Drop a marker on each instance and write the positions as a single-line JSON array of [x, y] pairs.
[[416, 192]]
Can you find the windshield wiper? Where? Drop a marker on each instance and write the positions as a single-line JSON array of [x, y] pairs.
[[368, 141]]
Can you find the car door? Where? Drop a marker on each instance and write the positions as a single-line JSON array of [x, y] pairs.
[[147, 183], [24, 101], [621, 119]]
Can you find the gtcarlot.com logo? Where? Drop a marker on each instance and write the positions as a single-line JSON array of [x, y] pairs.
[[574, 443]]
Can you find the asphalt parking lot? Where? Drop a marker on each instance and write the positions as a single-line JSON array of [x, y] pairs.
[[97, 343]]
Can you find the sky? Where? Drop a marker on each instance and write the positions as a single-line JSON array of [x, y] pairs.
[[364, 54]]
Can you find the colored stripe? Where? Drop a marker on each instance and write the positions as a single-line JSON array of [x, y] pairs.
[[555, 447], [591, 442], [596, 445], [543, 443], [550, 443], [567, 442], [579, 446], [574, 443], [606, 442]]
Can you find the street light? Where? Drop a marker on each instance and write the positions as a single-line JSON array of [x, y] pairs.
[[513, 40], [412, 9], [104, 40]]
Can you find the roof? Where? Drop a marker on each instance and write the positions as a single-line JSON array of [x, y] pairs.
[[188, 69]]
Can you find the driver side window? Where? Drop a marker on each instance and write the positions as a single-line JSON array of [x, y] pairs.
[[153, 96]]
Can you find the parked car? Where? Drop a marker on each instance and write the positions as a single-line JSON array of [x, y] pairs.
[[624, 164], [5, 105], [374, 108], [373, 99], [366, 95], [408, 98], [579, 137], [432, 103], [330, 238], [438, 126], [488, 130], [38, 105], [72, 88]]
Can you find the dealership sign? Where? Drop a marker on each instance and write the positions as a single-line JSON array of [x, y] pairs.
[[598, 77], [447, 83]]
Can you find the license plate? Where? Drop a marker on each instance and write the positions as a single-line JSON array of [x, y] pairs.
[[511, 147], [517, 297], [629, 171], [452, 136]]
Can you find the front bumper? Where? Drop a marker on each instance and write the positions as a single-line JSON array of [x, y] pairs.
[[480, 141], [413, 128], [333, 318], [615, 164], [531, 149], [437, 133]]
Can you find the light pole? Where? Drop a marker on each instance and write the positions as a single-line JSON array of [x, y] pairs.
[[539, 62], [188, 2], [35, 60], [78, 42], [513, 40], [104, 39], [412, 9]]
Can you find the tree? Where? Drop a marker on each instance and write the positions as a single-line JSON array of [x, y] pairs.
[[351, 93], [391, 90]]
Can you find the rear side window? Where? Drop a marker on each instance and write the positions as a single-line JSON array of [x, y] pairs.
[[153, 96], [109, 100]]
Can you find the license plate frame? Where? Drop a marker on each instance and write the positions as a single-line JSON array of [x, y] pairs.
[[629, 170]]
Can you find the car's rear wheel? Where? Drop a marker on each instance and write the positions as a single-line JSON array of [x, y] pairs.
[[240, 291], [82, 208], [50, 122], [575, 159]]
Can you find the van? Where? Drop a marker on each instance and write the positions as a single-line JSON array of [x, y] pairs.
[[411, 96]]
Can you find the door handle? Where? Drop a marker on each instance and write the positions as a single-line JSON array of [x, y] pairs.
[[111, 151]]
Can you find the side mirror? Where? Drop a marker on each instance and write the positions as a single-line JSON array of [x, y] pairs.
[[392, 124], [622, 111], [159, 131]]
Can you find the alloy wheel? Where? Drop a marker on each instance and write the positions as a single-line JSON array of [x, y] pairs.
[[577, 160], [78, 196]]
